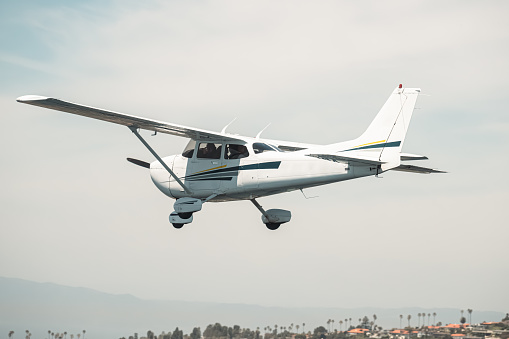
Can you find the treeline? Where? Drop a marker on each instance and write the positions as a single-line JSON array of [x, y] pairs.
[[235, 332], [218, 331]]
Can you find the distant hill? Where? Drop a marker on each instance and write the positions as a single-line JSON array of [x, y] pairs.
[[40, 307]]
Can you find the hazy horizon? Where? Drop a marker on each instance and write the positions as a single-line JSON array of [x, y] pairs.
[[24, 305]]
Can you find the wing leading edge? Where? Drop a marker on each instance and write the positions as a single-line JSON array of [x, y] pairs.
[[124, 119]]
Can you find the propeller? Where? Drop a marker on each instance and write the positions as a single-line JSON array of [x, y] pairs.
[[139, 162]]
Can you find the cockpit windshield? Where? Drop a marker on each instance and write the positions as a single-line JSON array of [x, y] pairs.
[[189, 150], [259, 147]]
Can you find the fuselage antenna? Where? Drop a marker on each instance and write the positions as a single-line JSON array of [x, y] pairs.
[[223, 131], [258, 135]]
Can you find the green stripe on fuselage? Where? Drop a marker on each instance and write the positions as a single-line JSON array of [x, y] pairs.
[[233, 171]]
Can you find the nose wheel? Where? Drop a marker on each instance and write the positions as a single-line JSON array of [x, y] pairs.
[[178, 221]]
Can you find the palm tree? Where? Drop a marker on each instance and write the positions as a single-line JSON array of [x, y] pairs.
[[418, 319], [11, 333], [84, 334], [470, 315], [65, 334], [374, 318], [350, 320], [341, 325], [409, 317], [400, 319], [78, 335], [49, 333], [303, 327], [297, 327], [434, 321], [429, 315], [462, 313]]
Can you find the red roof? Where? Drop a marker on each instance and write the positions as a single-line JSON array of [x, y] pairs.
[[358, 330], [399, 332]]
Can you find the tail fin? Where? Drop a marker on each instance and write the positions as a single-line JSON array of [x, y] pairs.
[[385, 135]]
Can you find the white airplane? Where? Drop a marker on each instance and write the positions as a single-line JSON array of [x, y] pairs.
[[225, 167]]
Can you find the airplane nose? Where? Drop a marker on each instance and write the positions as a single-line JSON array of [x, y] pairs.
[[160, 177]]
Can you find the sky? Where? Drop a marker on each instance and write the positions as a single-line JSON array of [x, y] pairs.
[[75, 212]]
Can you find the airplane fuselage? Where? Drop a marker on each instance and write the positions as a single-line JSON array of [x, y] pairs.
[[253, 176]]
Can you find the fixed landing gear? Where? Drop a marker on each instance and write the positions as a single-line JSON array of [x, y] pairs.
[[273, 218], [177, 221], [184, 209]]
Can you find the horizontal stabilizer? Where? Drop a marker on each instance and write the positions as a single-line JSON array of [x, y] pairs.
[[337, 158], [416, 169], [408, 156]]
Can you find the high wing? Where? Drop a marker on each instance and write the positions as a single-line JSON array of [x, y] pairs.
[[125, 119]]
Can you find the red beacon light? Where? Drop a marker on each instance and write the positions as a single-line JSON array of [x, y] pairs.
[[400, 85]]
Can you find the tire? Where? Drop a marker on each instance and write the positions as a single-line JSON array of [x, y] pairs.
[[272, 225], [185, 215], [178, 225]]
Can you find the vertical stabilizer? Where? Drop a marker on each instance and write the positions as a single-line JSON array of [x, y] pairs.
[[385, 135]]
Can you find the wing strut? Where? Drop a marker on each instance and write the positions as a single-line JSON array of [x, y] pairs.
[[134, 129]]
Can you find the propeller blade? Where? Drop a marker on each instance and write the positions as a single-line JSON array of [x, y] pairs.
[[139, 162]]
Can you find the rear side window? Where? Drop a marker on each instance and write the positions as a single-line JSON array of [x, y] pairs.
[[260, 147]]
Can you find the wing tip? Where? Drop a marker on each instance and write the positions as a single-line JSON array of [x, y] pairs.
[[30, 98]]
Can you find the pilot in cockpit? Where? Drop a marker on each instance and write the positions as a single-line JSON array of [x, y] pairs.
[[238, 151]]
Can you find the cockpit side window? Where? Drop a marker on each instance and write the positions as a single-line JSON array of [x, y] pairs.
[[260, 147], [235, 151], [209, 150], [189, 150]]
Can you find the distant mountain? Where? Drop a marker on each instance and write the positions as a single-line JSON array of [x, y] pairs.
[[39, 307]]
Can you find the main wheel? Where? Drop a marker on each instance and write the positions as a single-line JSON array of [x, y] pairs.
[[272, 225], [178, 225]]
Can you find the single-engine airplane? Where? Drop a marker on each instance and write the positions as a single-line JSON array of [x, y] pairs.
[[218, 166]]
